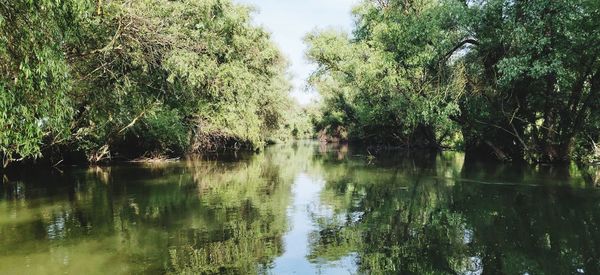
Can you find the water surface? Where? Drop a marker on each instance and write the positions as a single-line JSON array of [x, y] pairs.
[[303, 209]]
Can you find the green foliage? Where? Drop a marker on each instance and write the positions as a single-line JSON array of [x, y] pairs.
[[125, 78], [201, 58], [296, 124], [379, 84], [519, 79], [160, 133], [34, 75], [536, 70]]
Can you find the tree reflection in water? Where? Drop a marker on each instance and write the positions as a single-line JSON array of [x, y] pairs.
[[395, 213], [432, 214]]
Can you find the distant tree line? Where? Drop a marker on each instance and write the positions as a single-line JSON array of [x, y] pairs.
[[84, 80], [508, 79]]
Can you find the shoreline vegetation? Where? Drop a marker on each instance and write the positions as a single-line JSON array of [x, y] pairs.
[[510, 80], [97, 81], [89, 81]]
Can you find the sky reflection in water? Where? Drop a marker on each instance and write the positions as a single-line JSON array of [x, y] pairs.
[[303, 209]]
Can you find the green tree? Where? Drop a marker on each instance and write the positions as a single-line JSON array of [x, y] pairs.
[[95, 80], [35, 109], [518, 80], [533, 78], [199, 64], [385, 84]]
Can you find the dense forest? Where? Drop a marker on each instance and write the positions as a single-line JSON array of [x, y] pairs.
[[513, 80], [92, 81], [85, 80]]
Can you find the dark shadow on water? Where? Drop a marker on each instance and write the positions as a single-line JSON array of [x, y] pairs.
[[391, 212]]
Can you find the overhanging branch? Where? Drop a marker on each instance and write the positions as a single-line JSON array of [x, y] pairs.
[[458, 46]]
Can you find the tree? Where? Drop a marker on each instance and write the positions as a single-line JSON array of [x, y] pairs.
[[386, 84], [534, 78], [35, 109], [124, 79], [519, 78]]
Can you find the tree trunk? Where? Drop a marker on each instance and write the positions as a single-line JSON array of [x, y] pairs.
[[557, 153]]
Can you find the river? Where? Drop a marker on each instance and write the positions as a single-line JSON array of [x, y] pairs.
[[304, 208]]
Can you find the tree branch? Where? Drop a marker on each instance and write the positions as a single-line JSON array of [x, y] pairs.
[[460, 45]]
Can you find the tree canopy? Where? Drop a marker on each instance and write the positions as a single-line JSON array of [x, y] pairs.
[[516, 80], [129, 78]]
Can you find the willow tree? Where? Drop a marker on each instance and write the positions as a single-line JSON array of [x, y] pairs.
[[156, 72], [533, 78], [386, 84], [99, 79], [524, 74], [34, 75]]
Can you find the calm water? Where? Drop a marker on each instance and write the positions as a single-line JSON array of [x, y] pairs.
[[303, 209]]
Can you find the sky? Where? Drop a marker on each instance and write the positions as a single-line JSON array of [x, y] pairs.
[[290, 20]]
